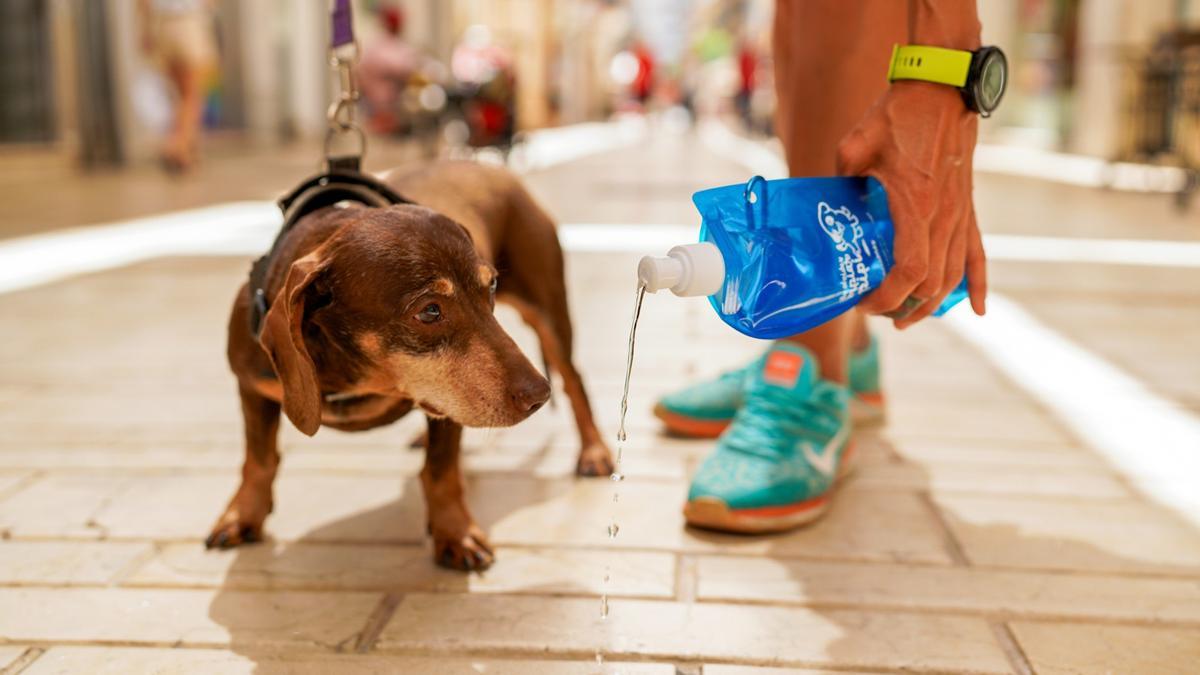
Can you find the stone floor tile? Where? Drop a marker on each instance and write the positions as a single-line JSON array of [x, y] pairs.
[[561, 464], [123, 660], [956, 589], [641, 628], [715, 669], [952, 423], [861, 525], [866, 525], [317, 507], [1068, 649], [1053, 458], [308, 566], [9, 654], [290, 619], [998, 480], [67, 562], [61, 505], [10, 480], [1071, 534], [90, 458]]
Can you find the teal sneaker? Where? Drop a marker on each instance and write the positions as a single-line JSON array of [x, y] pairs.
[[774, 468], [867, 407], [705, 409]]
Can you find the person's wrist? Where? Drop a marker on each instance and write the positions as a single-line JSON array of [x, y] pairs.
[[931, 92]]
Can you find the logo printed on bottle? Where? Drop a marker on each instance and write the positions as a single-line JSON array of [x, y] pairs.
[[783, 368], [843, 228]]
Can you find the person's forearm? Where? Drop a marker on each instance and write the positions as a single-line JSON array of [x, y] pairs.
[[953, 24]]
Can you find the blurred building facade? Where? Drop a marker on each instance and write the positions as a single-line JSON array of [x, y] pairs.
[[76, 78]]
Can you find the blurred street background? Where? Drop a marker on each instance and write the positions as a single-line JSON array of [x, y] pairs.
[[1031, 505]]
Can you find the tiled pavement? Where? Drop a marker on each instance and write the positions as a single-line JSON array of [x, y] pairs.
[[977, 536]]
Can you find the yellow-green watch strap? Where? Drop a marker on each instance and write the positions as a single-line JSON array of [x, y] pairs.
[[930, 64]]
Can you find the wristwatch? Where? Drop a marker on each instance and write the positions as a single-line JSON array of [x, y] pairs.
[[981, 76]]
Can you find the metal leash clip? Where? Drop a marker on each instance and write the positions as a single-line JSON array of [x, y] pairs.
[[343, 57]]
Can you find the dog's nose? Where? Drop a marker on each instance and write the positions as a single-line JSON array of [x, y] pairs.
[[531, 395]]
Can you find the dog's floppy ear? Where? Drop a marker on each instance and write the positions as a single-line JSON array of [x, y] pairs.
[[283, 340]]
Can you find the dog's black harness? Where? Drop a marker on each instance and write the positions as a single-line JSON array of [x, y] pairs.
[[342, 182]]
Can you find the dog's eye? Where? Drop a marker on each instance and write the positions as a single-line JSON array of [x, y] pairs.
[[431, 313]]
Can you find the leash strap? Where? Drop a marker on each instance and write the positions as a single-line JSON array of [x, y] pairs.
[[345, 143], [343, 24]]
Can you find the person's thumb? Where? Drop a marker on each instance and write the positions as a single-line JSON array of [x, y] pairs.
[[857, 152]]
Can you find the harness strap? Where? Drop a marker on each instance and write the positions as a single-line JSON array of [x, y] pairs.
[[315, 193]]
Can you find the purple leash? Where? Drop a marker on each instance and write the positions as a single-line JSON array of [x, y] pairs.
[[343, 24]]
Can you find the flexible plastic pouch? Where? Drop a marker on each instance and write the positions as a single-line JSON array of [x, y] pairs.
[[798, 252]]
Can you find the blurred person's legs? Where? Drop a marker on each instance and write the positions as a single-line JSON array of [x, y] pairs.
[[789, 411], [187, 48]]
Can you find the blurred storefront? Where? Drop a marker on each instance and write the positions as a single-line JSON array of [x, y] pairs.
[[1084, 71]]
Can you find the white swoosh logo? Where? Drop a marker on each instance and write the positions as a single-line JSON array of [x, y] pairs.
[[826, 462]]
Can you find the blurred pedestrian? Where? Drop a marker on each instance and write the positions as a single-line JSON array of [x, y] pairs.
[[180, 36], [784, 420], [384, 74], [747, 69]]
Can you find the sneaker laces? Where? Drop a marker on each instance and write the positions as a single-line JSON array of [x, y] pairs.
[[771, 421]]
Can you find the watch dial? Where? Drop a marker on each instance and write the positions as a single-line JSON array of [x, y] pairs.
[[991, 84]]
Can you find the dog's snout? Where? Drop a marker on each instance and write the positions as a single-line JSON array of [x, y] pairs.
[[527, 397]]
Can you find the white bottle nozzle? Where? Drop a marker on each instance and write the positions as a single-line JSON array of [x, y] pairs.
[[688, 270]]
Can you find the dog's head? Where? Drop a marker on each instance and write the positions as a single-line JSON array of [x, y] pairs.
[[400, 298]]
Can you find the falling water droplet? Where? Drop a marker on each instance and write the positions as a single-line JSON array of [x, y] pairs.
[[604, 606], [617, 477], [613, 529]]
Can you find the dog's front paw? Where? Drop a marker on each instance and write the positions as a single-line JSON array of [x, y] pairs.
[[242, 522], [595, 460], [469, 551]]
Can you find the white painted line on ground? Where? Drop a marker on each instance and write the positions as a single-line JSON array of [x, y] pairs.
[[724, 143], [1148, 252], [1056, 167], [228, 229], [1080, 170], [1152, 440], [656, 238], [549, 147], [247, 228]]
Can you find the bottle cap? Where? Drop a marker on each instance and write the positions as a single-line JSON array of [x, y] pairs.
[[688, 270]]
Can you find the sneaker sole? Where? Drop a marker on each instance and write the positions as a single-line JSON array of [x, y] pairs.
[[710, 513], [691, 427]]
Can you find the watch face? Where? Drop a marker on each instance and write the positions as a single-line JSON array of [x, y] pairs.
[[993, 76]]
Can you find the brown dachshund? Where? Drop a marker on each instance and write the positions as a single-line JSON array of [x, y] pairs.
[[376, 311]]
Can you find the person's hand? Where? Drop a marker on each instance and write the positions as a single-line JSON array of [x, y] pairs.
[[918, 141]]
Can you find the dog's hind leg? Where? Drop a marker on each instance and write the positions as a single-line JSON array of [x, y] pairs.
[[458, 542], [243, 519], [553, 329]]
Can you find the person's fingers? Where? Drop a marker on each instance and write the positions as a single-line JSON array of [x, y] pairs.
[[951, 276], [911, 250], [942, 229], [947, 239], [976, 261]]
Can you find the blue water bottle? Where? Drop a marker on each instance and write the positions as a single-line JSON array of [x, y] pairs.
[[779, 257]]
